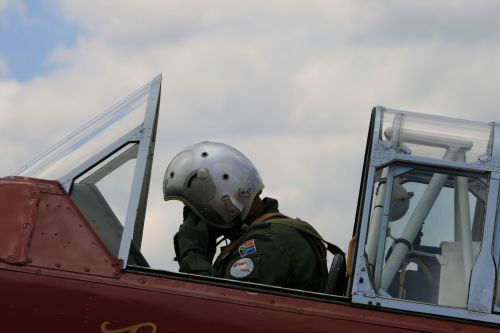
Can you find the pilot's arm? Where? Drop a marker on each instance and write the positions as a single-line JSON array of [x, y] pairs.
[[194, 246]]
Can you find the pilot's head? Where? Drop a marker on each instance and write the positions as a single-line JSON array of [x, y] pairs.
[[215, 180]]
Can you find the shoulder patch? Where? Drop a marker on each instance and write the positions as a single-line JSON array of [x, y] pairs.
[[241, 268], [247, 248]]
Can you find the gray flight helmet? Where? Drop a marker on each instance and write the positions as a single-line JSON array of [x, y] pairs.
[[215, 180]]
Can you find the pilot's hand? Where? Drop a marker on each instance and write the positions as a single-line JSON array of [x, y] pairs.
[[195, 237]]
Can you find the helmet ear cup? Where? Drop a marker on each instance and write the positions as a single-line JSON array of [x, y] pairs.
[[199, 188], [215, 180]]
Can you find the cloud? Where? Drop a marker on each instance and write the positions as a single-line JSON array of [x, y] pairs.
[[290, 83], [397, 22]]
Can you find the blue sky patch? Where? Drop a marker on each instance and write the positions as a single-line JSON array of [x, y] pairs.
[[28, 37]]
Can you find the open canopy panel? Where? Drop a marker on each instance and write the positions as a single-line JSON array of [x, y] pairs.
[[427, 215], [105, 166]]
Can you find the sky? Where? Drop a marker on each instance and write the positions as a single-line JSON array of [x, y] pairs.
[[289, 83]]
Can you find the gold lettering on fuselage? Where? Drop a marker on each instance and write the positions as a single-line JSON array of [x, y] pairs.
[[129, 329]]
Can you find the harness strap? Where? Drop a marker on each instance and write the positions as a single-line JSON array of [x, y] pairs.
[[267, 216], [301, 226]]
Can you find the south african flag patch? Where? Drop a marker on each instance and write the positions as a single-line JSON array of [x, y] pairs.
[[247, 248]]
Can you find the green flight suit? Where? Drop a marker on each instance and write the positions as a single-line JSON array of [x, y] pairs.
[[275, 254], [275, 251]]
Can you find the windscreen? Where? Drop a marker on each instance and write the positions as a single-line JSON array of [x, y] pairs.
[[90, 139]]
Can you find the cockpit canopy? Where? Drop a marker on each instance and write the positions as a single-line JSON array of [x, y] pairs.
[[428, 214]]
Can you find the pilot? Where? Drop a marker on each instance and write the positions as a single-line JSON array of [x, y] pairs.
[[221, 190]]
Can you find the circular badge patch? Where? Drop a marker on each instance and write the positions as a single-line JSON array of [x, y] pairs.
[[242, 268]]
